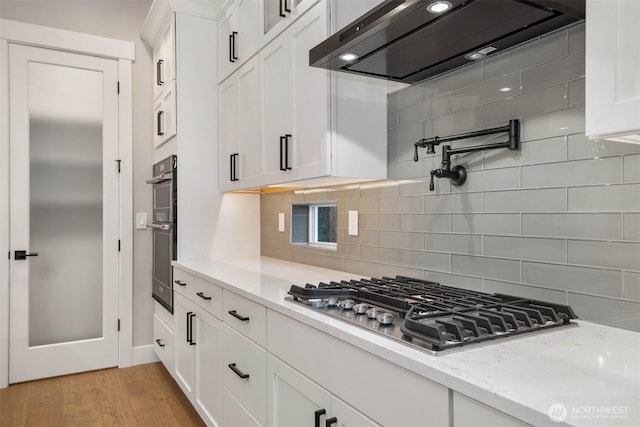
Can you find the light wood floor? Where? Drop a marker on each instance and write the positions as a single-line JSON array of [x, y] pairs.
[[143, 395]]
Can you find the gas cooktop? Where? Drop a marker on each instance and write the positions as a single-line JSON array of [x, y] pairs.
[[428, 315]]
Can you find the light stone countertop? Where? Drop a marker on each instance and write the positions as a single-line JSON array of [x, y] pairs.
[[592, 370]]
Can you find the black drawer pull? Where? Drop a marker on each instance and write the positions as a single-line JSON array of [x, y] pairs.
[[237, 316], [159, 343], [201, 295], [159, 80], [178, 282], [238, 372], [317, 415], [332, 420]]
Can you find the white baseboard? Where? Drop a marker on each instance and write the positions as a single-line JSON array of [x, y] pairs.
[[144, 354]]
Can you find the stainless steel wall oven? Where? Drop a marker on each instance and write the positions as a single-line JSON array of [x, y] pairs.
[[164, 227]]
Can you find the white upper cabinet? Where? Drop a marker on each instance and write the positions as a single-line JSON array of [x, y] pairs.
[[239, 142], [164, 57], [279, 14], [238, 35], [612, 64]]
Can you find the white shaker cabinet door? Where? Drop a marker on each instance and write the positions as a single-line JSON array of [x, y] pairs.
[[347, 416], [184, 360], [208, 392]]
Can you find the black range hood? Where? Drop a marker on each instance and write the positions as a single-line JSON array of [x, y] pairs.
[[400, 40]]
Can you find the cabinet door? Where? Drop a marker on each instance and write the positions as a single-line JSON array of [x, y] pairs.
[[163, 342], [183, 314], [292, 398], [309, 145], [226, 28], [247, 163], [471, 413], [164, 57], [247, 40], [208, 393], [165, 116], [277, 106], [234, 414], [347, 416], [279, 14], [612, 63], [228, 115]]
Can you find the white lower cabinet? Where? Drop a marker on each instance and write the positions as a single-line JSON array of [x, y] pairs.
[[208, 391], [185, 352], [163, 338], [293, 400], [234, 413], [468, 412]]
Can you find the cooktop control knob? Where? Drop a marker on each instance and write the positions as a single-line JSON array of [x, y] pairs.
[[360, 308], [332, 302], [373, 312], [347, 304], [385, 318]]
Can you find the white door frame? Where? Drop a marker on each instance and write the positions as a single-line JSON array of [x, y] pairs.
[[124, 53]]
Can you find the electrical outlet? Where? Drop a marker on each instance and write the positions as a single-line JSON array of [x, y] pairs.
[[281, 222], [141, 221], [353, 223]]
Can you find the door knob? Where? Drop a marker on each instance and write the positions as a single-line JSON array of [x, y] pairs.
[[20, 255]]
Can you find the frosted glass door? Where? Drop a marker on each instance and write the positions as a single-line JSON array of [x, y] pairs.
[[64, 188]]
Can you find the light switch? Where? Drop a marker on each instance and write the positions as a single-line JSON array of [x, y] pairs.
[[353, 223], [141, 221], [281, 222]]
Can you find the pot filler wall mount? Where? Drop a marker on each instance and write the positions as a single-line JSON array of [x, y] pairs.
[[458, 174]]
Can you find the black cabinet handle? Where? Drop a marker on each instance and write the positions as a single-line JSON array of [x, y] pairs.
[[282, 14], [282, 168], [191, 316], [159, 80], [178, 282], [332, 420], [159, 343], [286, 152], [238, 372], [233, 45], [231, 48], [189, 326], [286, 7], [202, 295], [159, 117], [317, 415], [21, 255], [237, 316], [233, 166]]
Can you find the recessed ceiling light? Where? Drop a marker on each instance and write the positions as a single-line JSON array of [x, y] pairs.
[[505, 89], [348, 56], [439, 6]]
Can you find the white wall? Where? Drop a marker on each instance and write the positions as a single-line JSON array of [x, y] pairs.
[[118, 19]]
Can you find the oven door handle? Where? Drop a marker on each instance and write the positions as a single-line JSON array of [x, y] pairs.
[[160, 178], [165, 227]]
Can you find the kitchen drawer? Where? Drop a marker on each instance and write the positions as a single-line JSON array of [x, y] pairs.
[[471, 413], [208, 296], [234, 415], [163, 342], [245, 316], [341, 365], [163, 313], [183, 283], [248, 360]]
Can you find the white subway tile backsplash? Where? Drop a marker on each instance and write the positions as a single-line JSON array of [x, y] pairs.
[[632, 168], [576, 38], [551, 73], [613, 312], [379, 254], [401, 240], [405, 170], [414, 113], [409, 204], [548, 125], [581, 147], [486, 267], [581, 279], [623, 197], [631, 285], [364, 206], [631, 223], [463, 202], [537, 52], [425, 260], [580, 172], [464, 282], [490, 179], [515, 289], [462, 77], [458, 122], [425, 222], [624, 255], [545, 200], [529, 248], [364, 237], [378, 222], [454, 243], [575, 93], [586, 225], [411, 95], [530, 104], [486, 223]]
